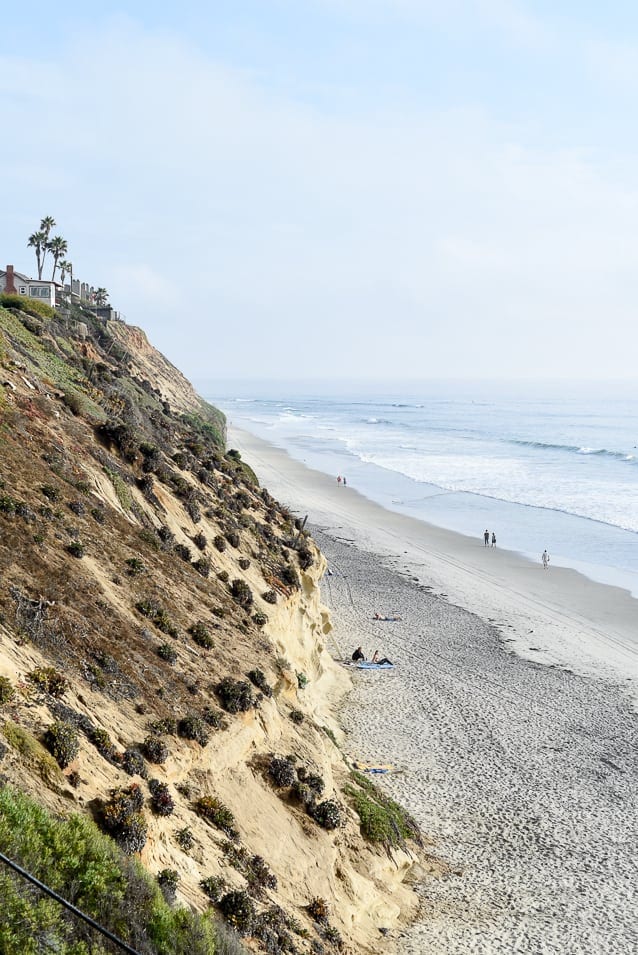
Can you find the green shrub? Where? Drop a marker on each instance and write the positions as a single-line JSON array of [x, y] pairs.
[[244, 563], [184, 552], [270, 596], [223, 576], [31, 306], [135, 566], [235, 696], [381, 819], [167, 652], [7, 691], [241, 593], [214, 718], [61, 739], [199, 540], [164, 727], [220, 543], [201, 635], [297, 717], [154, 611], [213, 887], [202, 565], [213, 810], [233, 538], [260, 619], [50, 492], [302, 680], [83, 865]]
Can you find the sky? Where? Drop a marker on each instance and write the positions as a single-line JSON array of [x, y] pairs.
[[347, 189]]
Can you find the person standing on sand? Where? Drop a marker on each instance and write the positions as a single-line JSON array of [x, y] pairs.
[[338, 479], [545, 559], [344, 480], [493, 539], [486, 537]]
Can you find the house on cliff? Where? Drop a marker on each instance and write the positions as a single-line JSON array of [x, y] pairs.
[[15, 283]]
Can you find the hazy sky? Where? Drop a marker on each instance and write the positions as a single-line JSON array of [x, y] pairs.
[[364, 188]]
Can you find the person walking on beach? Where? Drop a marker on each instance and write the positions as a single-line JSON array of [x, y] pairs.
[[545, 559], [493, 539], [486, 537], [344, 480], [339, 479]]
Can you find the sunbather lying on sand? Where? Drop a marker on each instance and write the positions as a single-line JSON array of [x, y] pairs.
[[379, 616]]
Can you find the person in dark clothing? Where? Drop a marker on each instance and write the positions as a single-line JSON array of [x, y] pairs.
[[358, 655]]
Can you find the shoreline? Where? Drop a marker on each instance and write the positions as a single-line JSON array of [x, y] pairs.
[[523, 772], [556, 617]]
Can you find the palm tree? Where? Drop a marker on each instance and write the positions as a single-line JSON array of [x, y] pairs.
[[38, 241], [65, 267], [101, 296], [57, 247], [45, 227]]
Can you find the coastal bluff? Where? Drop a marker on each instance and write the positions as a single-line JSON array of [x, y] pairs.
[[163, 646]]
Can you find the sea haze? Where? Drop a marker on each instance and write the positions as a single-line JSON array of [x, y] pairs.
[[543, 466]]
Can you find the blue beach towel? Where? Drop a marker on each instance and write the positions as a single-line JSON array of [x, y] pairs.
[[365, 665]]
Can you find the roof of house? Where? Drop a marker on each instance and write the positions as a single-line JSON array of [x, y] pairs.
[[18, 275]]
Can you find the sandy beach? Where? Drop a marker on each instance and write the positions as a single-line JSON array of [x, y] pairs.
[[510, 717]]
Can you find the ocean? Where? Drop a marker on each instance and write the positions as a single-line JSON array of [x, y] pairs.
[[543, 466]]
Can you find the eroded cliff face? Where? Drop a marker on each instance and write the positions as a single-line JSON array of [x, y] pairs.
[[179, 607]]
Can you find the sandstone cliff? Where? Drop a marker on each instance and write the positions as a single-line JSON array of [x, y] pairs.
[[156, 602]]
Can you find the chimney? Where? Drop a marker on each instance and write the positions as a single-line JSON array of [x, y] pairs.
[[9, 284]]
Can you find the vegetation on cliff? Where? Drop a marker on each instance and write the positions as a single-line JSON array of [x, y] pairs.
[[159, 621]]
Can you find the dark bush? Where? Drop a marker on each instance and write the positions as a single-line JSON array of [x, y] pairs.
[[78, 507], [220, 543], [185, 839], [167, 652], [282, 772], [133, 763], [61, 739], [244, 563], [297, 717], [213, 810], [270, 596], [233, 538], [259, 876], [214, 718], [318, 910], [241, 592], [161, 800], [218, 612], [135, 566], [122, 819], [199, 540], [328, 814], [192, 727], [50, 492], [202, 566], [76, 549], [289, 575], [49, 680], [184, 552], [223, 576], [260, 619], [258, 678], [239, 911], [155, 749], [201, 635], [305, 558], [235, 696], [157, 614], [194, 511]]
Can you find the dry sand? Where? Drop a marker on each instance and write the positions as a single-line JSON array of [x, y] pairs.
[[510, 715]]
